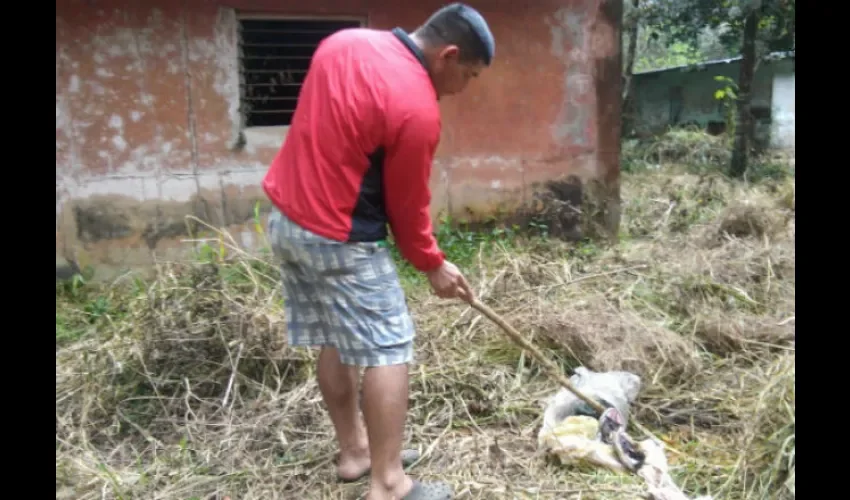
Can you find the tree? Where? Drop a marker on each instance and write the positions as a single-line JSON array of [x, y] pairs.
[[750, 28], [745, 123], [631, 25]]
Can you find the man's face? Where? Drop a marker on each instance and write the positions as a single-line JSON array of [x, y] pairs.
[[450, 74]]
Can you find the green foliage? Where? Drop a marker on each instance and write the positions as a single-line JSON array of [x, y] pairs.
[[683, 32], [655, 49], [463, 244], [685, 21], [83, 306], [729, 91], [768, 170], [676, 54], [728, 95]]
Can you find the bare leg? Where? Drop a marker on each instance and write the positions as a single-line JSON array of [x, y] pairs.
[[385, 392], [338, 384]]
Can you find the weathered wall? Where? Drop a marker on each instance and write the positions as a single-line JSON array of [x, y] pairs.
[[782, 131], [147, 115], [686, 96]]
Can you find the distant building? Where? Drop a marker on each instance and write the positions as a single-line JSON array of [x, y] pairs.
[[685, 95]]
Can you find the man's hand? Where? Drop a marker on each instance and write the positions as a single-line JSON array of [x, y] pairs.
[[448, 283]]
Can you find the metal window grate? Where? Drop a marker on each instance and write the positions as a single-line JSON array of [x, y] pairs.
[[274, 55]]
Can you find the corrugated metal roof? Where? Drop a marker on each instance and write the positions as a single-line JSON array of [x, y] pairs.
[[773, 56]]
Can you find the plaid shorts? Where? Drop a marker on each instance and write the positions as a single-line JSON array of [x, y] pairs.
[[344, 295]]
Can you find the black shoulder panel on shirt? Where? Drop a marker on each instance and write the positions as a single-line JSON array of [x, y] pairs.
[[369, 219]]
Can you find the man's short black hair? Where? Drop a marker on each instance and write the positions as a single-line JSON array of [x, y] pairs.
[[461, 25]]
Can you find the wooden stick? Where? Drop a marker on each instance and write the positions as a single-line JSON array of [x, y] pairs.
[[553, 369], [550, 365]]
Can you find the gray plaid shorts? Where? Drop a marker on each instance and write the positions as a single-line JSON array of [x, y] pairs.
[[344, 295]]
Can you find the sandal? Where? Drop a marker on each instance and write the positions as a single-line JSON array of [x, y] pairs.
[[408, 458], [429, 491]]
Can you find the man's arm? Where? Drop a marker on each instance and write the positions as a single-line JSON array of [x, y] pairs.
[[407, 174]]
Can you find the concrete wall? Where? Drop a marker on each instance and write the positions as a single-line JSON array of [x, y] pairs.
[[783, 111], [148, 115], [686, 96]]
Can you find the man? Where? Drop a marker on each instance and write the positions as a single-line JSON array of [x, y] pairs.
[[357, 158]]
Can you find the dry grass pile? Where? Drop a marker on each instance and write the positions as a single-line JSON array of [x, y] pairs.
[[183, 387], [684, 145]]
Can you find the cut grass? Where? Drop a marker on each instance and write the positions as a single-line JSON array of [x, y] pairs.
[[183, 387]]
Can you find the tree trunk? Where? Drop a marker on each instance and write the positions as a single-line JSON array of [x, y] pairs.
[[745, 126], [628, 87]]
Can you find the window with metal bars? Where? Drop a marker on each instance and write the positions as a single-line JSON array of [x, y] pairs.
[[274, 56]]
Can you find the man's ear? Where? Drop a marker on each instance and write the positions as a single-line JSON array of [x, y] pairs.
[[450, 53]]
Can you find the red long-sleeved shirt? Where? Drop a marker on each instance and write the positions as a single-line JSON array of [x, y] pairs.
[[358, 153]]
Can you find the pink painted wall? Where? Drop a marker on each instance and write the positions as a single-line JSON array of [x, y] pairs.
[[147, 99]]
